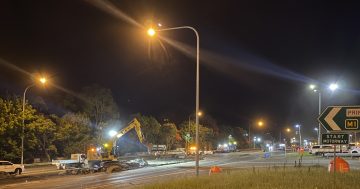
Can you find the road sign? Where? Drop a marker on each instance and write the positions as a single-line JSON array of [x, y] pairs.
[[335, 138], [341, 118]]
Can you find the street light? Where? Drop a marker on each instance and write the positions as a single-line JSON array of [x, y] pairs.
[[333, 86], [299, 126], [187, 136], [43, 81], [314, 88], [259, 123], [256, 139], [151, 32], [318, 133]]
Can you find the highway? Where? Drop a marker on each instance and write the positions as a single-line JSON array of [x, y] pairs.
[[137, 177]]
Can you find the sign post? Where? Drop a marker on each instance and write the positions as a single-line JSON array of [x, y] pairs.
[[339, 119]]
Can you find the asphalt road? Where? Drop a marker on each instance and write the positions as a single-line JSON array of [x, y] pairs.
[[131, 178]]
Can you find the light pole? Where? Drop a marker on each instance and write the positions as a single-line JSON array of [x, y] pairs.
[[43, 81], [318, 133], [258, 139], [152, 32], [299, 126], [313, 87], [260, 124], [188, 135]]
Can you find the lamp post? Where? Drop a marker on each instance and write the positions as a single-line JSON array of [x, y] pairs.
[[332, 87], [259, 123], [188, 135], [258, 139], [313, 87], [152, 32], [318, 133], [299, 126], [42, 81]]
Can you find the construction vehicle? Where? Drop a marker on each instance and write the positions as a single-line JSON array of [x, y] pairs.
[[103, 157], [76, 160], [108, 150]]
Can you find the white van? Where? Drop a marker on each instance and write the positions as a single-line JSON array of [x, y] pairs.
[[322, 149]]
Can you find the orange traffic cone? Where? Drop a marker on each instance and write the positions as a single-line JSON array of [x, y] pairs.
[[342, 166], [215, 169]]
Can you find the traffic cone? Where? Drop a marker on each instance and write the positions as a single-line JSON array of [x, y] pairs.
[[215, 169]]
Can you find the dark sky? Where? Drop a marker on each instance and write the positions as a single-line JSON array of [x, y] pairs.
[[257, 57]]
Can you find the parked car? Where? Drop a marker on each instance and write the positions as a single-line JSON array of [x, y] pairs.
[[8, 167], [355, 150]]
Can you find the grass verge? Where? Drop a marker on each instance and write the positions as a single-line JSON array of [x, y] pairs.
[[267, 178]]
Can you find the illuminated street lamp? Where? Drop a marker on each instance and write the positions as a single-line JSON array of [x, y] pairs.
[[259, 124], [187, 136], [256, 139], [288, 130], [314, 88], [151, 32], [333, 86], [43, 81], [317, 132]]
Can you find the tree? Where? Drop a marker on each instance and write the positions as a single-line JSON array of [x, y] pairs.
[[37, 131], [241, 139], [10, 129], [43, 130], [205, 134], [150, 128], [210, 122], [73, 134], [167, 134], [100, 106]]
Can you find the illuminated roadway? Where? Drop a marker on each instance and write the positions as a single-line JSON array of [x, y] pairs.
[[136, 177]]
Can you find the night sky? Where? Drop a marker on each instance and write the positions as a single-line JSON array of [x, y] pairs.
[[257, 57]]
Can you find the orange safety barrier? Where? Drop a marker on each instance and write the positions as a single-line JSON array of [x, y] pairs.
[[341, 165], [215, 169]]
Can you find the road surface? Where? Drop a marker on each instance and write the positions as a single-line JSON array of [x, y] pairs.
[[131, 178]]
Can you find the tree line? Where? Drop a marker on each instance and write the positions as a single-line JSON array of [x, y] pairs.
[[86, 123]]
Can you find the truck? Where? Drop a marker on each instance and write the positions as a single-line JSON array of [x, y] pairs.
[[76, 160]]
